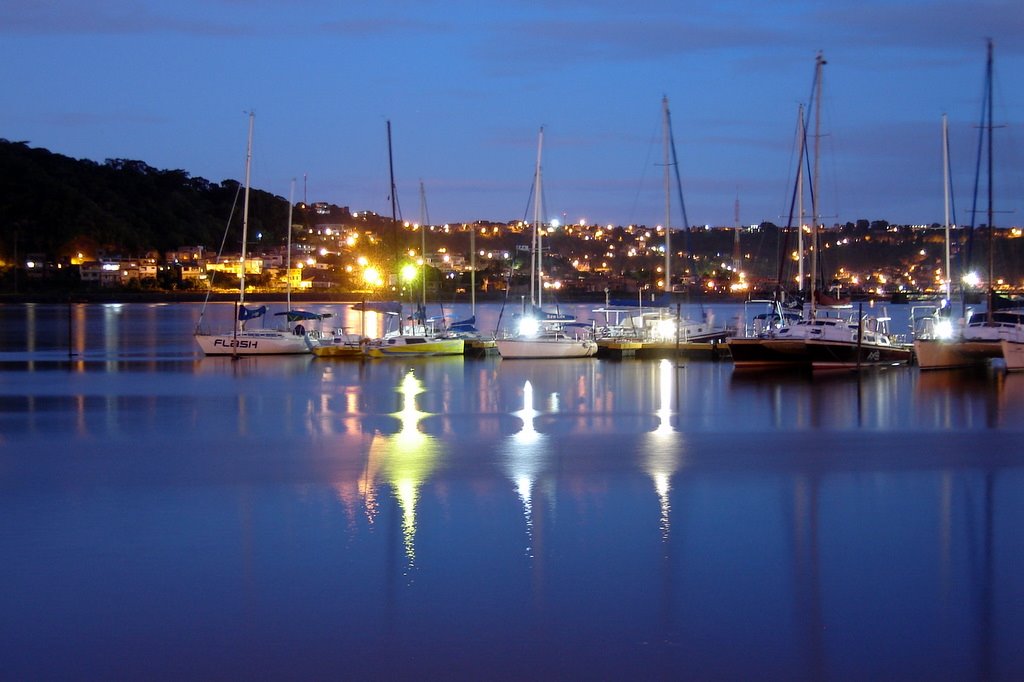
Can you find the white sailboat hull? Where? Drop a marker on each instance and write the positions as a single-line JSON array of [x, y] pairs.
[[546, 348], [254, 342], [939, 354], [1013, 354]]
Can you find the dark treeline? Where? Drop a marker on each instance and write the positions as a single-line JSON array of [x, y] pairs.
[[55, 205]]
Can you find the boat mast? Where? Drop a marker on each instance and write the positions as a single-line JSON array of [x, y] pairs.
[[394, 212], [802, 139], [991, 227], [472, 270], [668, 195], [945, 201], [394, 226], [536, 262], [736, 238], [288, 256], [245, 212], [819, 63], [423, 241]]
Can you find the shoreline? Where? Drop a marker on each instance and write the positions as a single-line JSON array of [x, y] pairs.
[[340, 298], [355, 297]]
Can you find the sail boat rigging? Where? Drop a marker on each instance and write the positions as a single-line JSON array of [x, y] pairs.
[[998, 332], [416, 339], [657, 325], [819, 341], [543, 334], [1003, 322], [241, 341]]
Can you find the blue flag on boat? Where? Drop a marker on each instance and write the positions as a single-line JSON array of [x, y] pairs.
[[467, 325], [250, 313]]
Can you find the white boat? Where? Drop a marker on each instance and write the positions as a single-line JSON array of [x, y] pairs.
[[289, 340], [252, 342], [654, 325], [988, 335], [547, 335], [1013, 354], [938, 336], [550, 345], [539, 334]]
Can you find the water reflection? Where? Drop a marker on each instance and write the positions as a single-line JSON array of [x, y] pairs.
[[664, 447], [840, 526], [406, 459], [525, 454]]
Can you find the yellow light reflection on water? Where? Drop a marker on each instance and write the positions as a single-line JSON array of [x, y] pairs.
[[407, 459]]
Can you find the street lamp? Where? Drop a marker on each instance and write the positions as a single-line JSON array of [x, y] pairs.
[[371, 276]]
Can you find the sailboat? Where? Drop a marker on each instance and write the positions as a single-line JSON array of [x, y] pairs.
[[825, 339], [420, 337], [541, 334], [240, 340], [656, 324], [938, 344], [998, 332]]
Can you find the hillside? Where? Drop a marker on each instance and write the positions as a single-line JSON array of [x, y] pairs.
[[56, 205]]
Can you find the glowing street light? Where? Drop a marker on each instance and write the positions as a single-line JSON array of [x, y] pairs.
[[371, 276]]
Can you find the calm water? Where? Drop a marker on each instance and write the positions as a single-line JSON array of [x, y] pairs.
[[164, 515]]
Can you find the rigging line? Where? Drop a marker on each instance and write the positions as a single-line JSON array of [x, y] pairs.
[[529, 199], [652, 144], [952, 209], [801, 158], [220, 252], [977, 165], [682, 210]]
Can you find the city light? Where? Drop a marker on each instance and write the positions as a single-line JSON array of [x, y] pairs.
[[371, 276]]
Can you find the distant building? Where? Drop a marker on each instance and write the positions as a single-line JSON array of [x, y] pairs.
[[185, 254]]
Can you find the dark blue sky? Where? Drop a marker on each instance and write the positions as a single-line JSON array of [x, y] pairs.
[[467, 85]]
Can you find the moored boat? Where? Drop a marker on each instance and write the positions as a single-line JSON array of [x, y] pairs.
[[414, 346], [1013, 354], [239, 341], [539, 334]]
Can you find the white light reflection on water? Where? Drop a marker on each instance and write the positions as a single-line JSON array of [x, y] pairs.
[[525, 454], [664, 447]]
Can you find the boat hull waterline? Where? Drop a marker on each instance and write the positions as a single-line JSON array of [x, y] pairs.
[[537, 349], [813, 353], [415, 347], [247, 342], [940, 354]]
